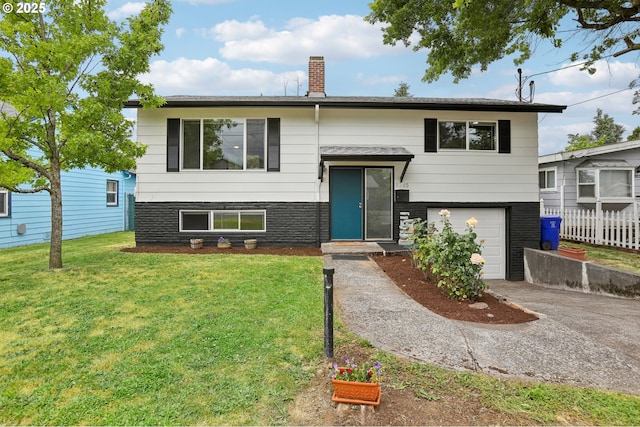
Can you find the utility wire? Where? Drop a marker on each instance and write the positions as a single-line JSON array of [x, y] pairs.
[[564, 68], [588, 100], [598, 97]]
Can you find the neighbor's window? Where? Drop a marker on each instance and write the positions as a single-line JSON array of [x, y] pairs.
[[112, 193], [4, 203], [227, 220], [547, 179], [468, 135], [224, 144], [599, 184]]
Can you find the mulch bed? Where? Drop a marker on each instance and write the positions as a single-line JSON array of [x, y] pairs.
[[413, 283]]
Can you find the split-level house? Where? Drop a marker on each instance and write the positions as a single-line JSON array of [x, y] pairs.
[[316, 168]]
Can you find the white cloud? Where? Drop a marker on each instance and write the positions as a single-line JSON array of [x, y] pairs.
[[212, 77], [375, 80], [335, 37], [615, 74], [578, 117], [234, 30], [180, 32], [128, 9]]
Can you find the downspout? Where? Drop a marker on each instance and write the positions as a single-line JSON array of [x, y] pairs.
[[318, 193]]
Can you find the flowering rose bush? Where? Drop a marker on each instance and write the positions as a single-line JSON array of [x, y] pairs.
[[366, 373], [451, 259]]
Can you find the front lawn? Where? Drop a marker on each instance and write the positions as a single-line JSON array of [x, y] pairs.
[[154, 339], [166, 339]]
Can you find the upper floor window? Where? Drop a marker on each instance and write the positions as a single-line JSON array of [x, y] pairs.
[[604, 184], [4, 202], [547, 179], [224, 144], [467, 135], [112, 192]]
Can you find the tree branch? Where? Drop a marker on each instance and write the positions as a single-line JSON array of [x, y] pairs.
[[631, 46], [26, 191], [26, 162]]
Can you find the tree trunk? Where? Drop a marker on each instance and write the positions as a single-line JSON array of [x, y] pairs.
[[55, 246]]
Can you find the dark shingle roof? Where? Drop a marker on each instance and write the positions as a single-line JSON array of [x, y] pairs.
[[356, 102]]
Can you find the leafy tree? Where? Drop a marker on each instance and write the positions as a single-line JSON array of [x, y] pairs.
[[606, 131], [66, 73], [635, 135], [459, 34], [402, 90]]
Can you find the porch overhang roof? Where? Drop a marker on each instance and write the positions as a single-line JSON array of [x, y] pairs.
[[332, 153]]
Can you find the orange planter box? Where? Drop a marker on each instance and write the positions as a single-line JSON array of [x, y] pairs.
[[574, 253], [355, 392]]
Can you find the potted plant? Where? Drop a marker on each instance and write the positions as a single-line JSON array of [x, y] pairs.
[[196, 243], [356, 384], [224, 243]]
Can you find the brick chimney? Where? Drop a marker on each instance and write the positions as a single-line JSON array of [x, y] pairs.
[[316, 76]]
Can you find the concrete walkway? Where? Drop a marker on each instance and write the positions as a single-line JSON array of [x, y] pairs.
[[580, 339]]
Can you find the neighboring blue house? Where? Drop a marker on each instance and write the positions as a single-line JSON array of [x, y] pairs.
[[93, 202]]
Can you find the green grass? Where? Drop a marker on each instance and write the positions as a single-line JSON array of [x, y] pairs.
[[158, 339], [612, 257], [148, 339], [516, 401]]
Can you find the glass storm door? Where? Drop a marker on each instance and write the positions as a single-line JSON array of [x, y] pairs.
[[378, 203]]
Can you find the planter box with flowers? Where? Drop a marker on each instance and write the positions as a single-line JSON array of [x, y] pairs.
[[356, 385], [224, 243]]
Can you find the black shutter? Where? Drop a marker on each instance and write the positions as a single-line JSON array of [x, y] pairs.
[[273, 145], [173, 145], [504, 136], [430, 135]]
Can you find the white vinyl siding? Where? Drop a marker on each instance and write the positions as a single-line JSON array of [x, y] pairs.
[[447, 176]]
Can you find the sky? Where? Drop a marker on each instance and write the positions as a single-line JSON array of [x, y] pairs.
[[262, 47]]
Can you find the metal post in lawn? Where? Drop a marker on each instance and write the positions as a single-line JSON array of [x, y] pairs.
[[328, 312]]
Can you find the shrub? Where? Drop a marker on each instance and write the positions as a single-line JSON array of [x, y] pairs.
[[452, 260]]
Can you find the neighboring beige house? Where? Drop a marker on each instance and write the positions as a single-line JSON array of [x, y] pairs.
[[317, 168]]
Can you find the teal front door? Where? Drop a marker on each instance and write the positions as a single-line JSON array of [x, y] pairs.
[[345, 194]]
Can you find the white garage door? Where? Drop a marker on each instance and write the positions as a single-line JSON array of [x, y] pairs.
[[490, 228]]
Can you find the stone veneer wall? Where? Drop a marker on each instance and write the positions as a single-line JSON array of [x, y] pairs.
[[296, 223]]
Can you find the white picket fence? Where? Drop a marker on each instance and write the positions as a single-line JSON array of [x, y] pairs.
[[610, 228]]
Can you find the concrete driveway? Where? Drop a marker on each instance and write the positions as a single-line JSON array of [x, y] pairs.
[[580, 339]]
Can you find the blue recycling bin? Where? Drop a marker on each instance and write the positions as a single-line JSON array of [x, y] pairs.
[[550, 232]]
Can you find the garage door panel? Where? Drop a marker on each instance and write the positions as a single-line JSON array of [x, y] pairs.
[[490, 228]]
